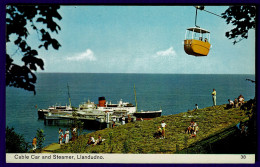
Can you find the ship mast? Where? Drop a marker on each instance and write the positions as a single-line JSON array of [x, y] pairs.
[[135, 99], [69, 93]]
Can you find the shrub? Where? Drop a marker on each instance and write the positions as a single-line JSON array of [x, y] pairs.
[[15, 143]]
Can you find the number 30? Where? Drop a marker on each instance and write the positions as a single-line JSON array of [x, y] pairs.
[[243, 156]]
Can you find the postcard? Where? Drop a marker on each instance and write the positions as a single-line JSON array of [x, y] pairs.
[[130, 84]]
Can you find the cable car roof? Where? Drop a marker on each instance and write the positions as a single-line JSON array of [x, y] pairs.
[[198, 30]]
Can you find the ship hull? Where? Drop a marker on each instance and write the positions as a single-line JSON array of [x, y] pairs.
[[41, 113], [147, 115]]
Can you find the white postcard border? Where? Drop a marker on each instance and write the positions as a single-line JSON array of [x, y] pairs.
[[131, 158]]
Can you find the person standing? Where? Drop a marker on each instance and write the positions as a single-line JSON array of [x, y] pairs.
[[73, 134], [235, 103], [129, 118], [61, 136], [34, 143], [163, 125], [114, 124], [67, 134], [123, 120], [214, 97]]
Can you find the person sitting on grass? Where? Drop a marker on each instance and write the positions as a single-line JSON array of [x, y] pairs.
[[98, 141], [230, 104], [192, 135], [240, 100], [190, 128], [195, 128], [196, 107], [91, 140], [158, 133]]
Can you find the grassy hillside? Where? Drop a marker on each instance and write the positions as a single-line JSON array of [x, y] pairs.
[[137, 137]]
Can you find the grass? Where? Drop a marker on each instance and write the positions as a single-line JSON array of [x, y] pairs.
[[137, 137]]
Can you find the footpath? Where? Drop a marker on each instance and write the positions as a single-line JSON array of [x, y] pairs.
[[50, 148]]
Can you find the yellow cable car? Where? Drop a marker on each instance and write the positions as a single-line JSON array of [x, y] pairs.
[[196, 41]]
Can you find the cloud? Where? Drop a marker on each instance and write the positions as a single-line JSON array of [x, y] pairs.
[[166, 53], [88, 55]]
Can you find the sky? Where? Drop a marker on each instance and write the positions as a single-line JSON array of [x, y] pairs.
[[142, 39]]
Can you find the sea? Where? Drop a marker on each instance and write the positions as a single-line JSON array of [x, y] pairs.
[[173, 93]]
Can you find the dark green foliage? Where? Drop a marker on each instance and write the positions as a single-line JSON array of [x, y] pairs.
[[243, 18], [40, 138], [126, 146], [15, 143], [18, 20], [110, 142], [177, 148]]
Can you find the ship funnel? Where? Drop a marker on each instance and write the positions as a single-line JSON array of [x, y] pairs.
[[102, 101]]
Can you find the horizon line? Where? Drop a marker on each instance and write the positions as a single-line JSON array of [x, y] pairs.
[[140, 73]]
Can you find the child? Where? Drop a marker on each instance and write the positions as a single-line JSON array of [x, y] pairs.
[[158, 134], [163, 124]]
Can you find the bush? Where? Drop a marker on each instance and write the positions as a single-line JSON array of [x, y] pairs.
[[15, 143], [40, 138]]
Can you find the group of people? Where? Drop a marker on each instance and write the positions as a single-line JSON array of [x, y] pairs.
[[236, 103], [214, 99], [201, 39], [93, 142], [192, 129], [123, 119], [161, 131], [66, 135]]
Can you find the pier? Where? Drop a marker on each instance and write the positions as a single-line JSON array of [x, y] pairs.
[[91, 121]]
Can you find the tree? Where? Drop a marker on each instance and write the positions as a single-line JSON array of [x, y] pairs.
[[15, 143], [243, 18], [19, 19], [40, 136]]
